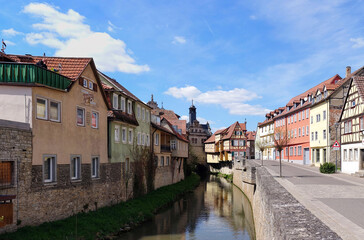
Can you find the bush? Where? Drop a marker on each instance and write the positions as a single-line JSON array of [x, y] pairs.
[[327, 167]]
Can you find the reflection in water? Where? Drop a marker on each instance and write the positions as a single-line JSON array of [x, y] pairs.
[[215, 210]]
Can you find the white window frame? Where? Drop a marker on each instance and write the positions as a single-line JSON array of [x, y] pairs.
[[46, 108], [76, 159], [123, 134], [138, 138], [143, 139], [130, 107], [117, 133], [130, 135], [156, 140], [173, 145], [90, 85], [115, 101], [85, 83], [97, 119], [95, 160], [58, 111], [53, 168], [83, 116], [122, 104], [143, 114]]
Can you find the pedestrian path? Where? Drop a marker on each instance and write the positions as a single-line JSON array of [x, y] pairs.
[[336, 199]]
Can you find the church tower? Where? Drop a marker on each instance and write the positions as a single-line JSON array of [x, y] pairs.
[[192, 114]]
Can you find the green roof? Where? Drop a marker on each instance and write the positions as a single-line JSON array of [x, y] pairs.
[[23, 73]]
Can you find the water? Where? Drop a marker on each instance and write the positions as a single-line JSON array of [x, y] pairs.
[[215, 210]]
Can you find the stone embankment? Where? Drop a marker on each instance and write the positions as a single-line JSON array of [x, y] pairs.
[[277, 214]]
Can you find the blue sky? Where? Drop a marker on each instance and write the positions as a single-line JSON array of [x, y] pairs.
[[236, 59]]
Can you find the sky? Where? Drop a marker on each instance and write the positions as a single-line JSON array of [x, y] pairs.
[[236, 60]]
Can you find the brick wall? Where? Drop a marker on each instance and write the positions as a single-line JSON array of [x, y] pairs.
[[163, 175]]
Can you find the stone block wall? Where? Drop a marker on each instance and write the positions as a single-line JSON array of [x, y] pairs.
[[163, 175], [277, 214]]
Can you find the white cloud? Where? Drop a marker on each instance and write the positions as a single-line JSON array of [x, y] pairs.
[[358, 42], [234, 100], [179, 40], [10, 32], [110, 29], [184, 117], [70, 36]]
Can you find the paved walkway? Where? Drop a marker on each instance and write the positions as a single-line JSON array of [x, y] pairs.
[[336, 199]]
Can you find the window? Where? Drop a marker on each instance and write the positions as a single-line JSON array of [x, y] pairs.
[[324, 115], [324, 134], [90, 85], [353, 103], [95, 167], [303, 131], [55, 111], [130, 136], [306, 113], [295, 118], [286, 151], [303, 114], [75, 167], [138, 138], [295, 133], [122, 104], [115, 101], [318, 117], [356, 157], [80, 116], [143, 114], [156, 139], [85, 83], [42, 108], [162, 161], [143, 138], [311, 119], [312, 137], [7, 173], [130, 109], [316, 135], [317, 155], [147, 140], [49, 168], [123, 135], [307, 130], [299, 116], [299, 151], [295, 151], [167, 161], [345, 155], [173, 145], [235, 143], [361, 123], [347, 127], [299, 132], [95, 120], [350, 154], [117, 133], [138, 112], [324, 155], [291, 151], [147, 115]]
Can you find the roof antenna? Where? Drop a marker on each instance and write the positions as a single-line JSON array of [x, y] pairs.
[[3, 47]]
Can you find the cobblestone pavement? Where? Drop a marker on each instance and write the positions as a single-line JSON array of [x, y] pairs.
[[336, 199]]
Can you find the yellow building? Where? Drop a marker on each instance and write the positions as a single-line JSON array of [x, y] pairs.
[[266, 136], [319, 128]]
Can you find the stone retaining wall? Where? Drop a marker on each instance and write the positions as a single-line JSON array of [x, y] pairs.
[[277, 214]]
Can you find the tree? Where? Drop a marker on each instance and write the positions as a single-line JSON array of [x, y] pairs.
[[261, 146], [281, 140]]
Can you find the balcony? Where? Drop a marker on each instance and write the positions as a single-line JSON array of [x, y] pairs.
[[165, 148]]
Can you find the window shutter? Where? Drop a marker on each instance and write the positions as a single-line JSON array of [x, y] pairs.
[[95, 87], [80, 81]]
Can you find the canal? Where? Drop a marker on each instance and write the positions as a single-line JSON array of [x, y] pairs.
[[215, 210]]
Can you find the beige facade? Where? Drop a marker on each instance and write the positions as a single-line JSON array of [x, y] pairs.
[[66, 137]]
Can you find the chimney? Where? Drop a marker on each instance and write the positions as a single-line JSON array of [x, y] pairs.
[[348, 71]]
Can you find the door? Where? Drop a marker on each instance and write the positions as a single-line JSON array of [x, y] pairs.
[[361, 160], [306, 156]]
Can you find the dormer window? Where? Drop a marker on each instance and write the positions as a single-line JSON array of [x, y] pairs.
[[309, 98], [115, 102], [85, 83], [319, 97], [325, 93], [301, 102]]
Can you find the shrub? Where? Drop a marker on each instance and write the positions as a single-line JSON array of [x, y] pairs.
[[327, 167]]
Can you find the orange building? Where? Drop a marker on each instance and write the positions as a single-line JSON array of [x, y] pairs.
[[294, 119]]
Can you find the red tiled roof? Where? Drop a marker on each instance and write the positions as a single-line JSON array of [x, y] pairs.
[[250, 135], [72, 67], [211, 139], [359, 83], [181, 137]]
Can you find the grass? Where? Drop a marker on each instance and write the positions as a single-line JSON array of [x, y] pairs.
[[107, 220], [228, 177]]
